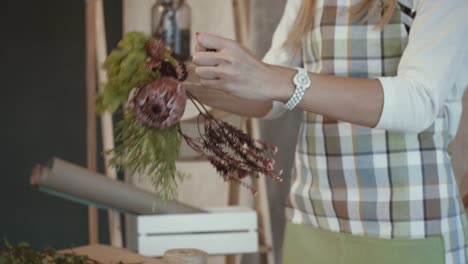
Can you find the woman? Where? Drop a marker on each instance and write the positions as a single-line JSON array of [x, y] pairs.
[[381, 99]]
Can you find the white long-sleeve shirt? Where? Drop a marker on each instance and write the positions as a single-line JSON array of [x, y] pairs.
[[432, 73]]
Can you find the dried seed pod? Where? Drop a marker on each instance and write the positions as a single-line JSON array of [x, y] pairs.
[[179, 71], [156, 50]]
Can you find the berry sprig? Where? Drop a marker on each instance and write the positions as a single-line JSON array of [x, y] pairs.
[[234, 154]]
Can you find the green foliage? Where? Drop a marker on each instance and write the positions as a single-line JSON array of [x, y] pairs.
[[22, 253], [139, 149], [126, 70], [149, 151]]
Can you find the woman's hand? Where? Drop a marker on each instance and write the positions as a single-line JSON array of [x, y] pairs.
[[224, 64], [219, 99]]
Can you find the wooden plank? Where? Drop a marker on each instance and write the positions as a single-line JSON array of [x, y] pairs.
[[91, 145], [211, 243], [233, 199], [264, 249], [107, 128], [108, 254], [261, 205], [216, 221], [458, 149], [241, 30], [241, 21], [465, 200]]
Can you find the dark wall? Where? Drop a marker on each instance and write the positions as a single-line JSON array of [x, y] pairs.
[[42, 108]]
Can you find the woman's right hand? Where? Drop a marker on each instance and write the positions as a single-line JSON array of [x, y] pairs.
[[220, 100], [234, 70]]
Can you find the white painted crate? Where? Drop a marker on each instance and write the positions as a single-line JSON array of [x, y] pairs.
[[225, 230]]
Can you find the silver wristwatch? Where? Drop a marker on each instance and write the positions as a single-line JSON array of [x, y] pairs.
[[302, 81]]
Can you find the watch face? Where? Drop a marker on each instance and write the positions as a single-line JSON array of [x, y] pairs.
[[301, 79]]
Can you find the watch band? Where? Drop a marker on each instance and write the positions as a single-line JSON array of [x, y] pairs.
[[302, 81]]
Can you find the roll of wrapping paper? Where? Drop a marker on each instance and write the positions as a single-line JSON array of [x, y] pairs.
[[78, 184], [185, 256]]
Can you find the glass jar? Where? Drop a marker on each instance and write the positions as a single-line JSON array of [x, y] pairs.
[[170, 21]]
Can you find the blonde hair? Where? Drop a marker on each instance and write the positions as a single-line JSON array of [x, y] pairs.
[[360, 12]]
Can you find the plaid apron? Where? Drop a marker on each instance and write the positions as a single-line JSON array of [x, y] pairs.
[[371, 182]]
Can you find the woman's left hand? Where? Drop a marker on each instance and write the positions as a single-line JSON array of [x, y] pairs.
[[224, 64]]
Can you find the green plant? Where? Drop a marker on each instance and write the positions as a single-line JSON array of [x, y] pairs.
[[137, 60], [22, 253]]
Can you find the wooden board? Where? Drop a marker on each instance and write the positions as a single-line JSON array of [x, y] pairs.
[[107, 127], [459, 150], [108, 254], [91, 137]]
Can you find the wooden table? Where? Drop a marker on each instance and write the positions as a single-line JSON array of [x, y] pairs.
[[111, 255]]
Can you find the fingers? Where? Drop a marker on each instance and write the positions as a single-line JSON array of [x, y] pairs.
[[198, 46], [192, 77], [206, 41], [204, 58], [213, 67], [208, 73], [212, 84]]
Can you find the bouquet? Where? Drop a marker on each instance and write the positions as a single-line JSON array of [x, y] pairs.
[[145, 84]]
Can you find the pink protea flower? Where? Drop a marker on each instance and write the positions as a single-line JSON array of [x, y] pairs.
[[160, 103]]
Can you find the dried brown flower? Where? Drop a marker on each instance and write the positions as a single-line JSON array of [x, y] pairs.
[[179, 71], [156, 51]]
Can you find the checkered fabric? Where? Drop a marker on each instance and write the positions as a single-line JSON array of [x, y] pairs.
[[371, 182]]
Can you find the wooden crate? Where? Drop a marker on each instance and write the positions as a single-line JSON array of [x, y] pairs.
[[220, 231]]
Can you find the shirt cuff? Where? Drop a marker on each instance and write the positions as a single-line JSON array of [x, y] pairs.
[[387, 118], [277, 57]]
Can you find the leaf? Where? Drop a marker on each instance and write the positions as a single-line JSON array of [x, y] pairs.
[[7, 244], [23, 245], [149, 151]]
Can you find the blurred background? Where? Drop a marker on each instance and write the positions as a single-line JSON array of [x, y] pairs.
[[42, 70]]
